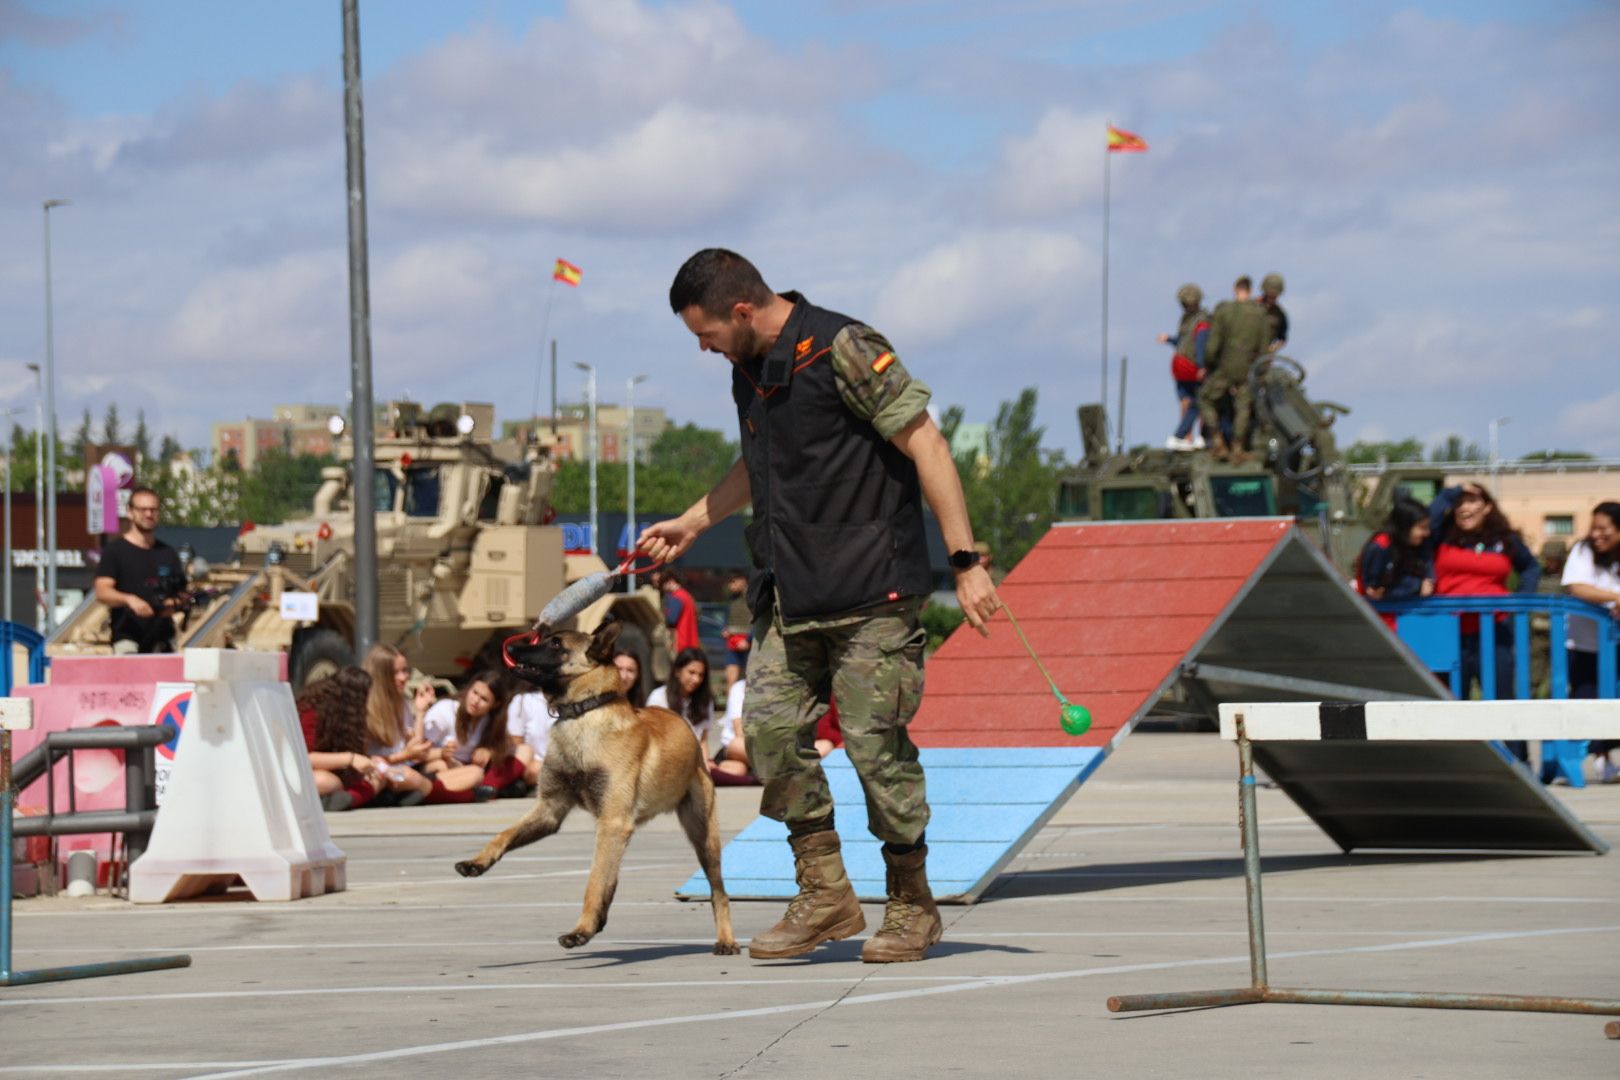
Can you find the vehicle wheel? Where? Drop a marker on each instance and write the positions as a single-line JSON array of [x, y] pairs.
[[317, 654], [632, 639]]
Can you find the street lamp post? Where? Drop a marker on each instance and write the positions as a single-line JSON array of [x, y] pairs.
[[590, 397], [11, 449], [50, 449], [39, 495], [630, 476], [1495, 427]]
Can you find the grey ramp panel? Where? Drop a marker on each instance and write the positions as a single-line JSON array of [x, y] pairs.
[[1423, 795]]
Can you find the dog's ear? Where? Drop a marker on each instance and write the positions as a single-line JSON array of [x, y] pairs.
[[603, 642]]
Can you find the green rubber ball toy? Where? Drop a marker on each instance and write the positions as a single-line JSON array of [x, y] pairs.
[[1076, 719]]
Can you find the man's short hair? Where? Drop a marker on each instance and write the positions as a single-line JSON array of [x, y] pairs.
[[143, 490], [714, 279], [1243, 283]]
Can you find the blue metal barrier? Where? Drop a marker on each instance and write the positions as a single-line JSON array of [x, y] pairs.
[[1432, 628], [12, 634]]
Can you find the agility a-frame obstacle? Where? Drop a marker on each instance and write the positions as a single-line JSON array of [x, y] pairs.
[[1140, 620], [1397, 723]]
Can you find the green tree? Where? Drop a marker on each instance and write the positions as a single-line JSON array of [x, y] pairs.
[[142, 441], [1454, 448], [22, 458], [1372, 451], [1012, 494], [281, 486], [111, 429], [700, 452], [1558, 455]]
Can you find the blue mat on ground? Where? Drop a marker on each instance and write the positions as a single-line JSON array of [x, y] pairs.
[[986, 802]]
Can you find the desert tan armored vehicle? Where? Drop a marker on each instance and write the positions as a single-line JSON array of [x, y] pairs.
[[466, 556], [1296, 471]]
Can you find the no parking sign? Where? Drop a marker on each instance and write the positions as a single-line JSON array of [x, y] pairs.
[[170, 703]]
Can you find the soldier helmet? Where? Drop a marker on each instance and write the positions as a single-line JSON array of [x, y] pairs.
[[1272, 285], [1190, 296]]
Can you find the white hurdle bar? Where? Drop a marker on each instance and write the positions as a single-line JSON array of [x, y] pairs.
[[1402, 721]]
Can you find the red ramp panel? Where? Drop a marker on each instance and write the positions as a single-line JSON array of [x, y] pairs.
[[1112, 610]]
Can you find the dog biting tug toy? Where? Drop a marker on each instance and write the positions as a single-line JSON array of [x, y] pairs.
[[1075, 719]]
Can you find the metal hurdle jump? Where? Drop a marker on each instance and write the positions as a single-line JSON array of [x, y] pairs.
[[17, 714], [1403, 721]]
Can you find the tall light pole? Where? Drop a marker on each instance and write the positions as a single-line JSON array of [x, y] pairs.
[[50, 436], [630, 477], [1495, 427], [10, 450], [39, 495], [590, 397], [364, 476]]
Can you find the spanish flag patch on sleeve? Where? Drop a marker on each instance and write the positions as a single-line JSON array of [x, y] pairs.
[[882, 363]]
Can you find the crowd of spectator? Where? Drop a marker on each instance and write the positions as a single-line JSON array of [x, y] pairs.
[[1462, 544]]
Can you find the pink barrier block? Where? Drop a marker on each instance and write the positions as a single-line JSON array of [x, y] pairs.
[[92, 691]]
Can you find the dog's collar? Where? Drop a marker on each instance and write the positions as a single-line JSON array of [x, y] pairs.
[[567, 710]]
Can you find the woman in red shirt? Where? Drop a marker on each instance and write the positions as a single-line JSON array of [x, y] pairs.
[[1476, 552]]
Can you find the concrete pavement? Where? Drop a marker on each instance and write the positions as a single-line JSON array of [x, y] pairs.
[[1135, 886]]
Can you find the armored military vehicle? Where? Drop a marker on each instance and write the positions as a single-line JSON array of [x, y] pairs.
[[1296, 471], [466, 556]]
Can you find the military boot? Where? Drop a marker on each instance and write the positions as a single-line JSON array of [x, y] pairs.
[[910, 921], [826, 908], [1218, 449]]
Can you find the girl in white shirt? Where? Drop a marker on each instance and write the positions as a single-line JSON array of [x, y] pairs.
[[1592, 573], [687, 694], [471, 750]]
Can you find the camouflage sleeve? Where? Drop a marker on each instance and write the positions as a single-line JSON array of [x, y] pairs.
[[874, 383]]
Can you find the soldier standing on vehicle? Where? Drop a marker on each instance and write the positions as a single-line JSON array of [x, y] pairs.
[[140, 579], [1238, 335], [1271, 290], [1187, 365], [839, 453]]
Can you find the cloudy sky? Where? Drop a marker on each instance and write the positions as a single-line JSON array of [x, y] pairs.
[[1437, 181]]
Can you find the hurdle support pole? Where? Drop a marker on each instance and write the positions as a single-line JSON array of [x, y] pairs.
[[1259, 991], [17, 713]]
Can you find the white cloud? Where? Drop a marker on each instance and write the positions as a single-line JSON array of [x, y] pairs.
[[1592, 425], [1057, 166], [290, 312], [983, 276], [677, 166]]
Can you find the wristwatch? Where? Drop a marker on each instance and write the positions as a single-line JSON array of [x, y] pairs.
[[966, 559]]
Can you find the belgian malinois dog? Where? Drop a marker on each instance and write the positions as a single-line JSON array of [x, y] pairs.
[[622, 764]]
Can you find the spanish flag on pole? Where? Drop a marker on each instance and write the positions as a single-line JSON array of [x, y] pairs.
[[1123, 142], [566, 272]]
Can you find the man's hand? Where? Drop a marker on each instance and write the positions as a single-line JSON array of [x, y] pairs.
[[978, 598], [1164, 339], [139, 607], [666, 541]]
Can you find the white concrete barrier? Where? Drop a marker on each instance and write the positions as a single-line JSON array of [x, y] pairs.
[[241, 800]]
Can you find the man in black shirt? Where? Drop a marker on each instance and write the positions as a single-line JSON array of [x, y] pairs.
[[138, 578]]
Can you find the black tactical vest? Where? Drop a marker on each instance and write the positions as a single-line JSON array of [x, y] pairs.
[[838, 521]]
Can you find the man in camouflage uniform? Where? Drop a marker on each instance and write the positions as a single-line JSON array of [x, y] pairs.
[[1239, 333], [1271, 290], [838, 454]]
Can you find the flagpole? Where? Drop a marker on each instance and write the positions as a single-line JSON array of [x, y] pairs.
[[1107, 160], [539, 365]]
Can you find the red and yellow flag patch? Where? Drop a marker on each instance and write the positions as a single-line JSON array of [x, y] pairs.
[[882, 363]]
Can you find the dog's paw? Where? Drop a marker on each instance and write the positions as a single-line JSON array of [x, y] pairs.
[[726, 948], [470, 868], [574, 939]]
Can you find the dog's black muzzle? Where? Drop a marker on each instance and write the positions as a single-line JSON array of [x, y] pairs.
[[526, 657]]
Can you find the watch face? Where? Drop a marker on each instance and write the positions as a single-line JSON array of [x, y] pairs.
[[964, 560]]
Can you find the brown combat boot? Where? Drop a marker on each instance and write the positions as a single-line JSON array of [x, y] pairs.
[[826, 908], [1218, 449], [910, 921]]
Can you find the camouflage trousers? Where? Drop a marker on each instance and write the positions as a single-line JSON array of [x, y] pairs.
[[873, 668], [1216, 386]]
